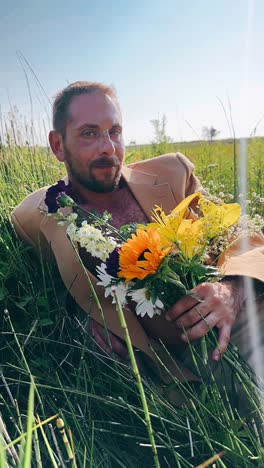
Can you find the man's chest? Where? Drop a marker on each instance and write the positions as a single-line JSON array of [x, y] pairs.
[[124, 209]]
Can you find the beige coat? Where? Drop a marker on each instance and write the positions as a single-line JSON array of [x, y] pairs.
[[162, 181]]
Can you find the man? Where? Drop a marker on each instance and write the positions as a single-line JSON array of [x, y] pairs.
[[87, 138]]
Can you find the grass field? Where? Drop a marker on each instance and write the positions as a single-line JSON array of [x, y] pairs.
[[43, 341]]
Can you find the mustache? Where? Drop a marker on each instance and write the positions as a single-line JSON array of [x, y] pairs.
[[105, 162]]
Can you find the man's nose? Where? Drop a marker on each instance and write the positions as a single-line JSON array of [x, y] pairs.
[[106, 144]]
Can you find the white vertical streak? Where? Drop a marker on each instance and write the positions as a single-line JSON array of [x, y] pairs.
[[253, 322], [190, 436]]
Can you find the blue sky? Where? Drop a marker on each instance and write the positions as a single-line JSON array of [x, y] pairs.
[[164, 57]]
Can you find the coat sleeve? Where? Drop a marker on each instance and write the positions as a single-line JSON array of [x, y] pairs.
[[244, 258], [27, 218], [20, 230]]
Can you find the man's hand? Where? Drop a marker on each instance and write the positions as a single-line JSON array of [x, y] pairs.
[[219, 306], [99, 334]]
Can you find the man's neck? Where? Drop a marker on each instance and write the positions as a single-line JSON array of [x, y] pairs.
[[85, 196]]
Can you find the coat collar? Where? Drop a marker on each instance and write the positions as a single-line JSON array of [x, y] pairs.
[[148, 192]]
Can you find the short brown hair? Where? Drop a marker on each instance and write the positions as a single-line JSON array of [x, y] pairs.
[[64, 97]]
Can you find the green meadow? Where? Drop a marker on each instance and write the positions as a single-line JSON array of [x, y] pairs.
[[49, 364], [217, 163]]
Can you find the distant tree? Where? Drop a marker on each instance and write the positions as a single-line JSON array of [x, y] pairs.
[[161, 141], [209, 133], [159, 127], [132, 142]]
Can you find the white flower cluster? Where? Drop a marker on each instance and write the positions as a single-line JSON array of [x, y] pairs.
[[221, 243], [257, 197], [251, 225], [65, 219], [216, 193], [92, 240], [247, 226]]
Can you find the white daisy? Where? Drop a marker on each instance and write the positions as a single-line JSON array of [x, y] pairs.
[[144, 305], [107, 281], [121, 292]]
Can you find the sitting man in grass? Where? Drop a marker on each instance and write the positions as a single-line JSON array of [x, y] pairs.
[[87, 139]]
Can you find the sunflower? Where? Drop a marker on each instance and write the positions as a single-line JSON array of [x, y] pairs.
[[141, 255]]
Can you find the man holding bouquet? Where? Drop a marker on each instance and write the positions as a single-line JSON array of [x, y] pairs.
[[87, 138]]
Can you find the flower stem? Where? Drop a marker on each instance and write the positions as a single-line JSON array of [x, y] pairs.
[[203, 339], [93, 293], [138, 379], [101, 221], [204, 350]]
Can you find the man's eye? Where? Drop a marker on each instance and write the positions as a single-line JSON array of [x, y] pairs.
[[89, 133], [115, 132]]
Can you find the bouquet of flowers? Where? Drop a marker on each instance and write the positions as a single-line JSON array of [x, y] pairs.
[[153, 264], [162, 261]]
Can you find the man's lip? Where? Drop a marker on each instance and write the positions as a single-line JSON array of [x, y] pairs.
[[104, 164]]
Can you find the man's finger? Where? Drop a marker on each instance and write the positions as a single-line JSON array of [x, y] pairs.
[[182, 306], [101, 342], [193, 316], [223, 340], [118, 346], [200, 329], [100, 335]]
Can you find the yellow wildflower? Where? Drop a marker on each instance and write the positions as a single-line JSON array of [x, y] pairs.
[[191, 236], [217, 218], [168, 225]]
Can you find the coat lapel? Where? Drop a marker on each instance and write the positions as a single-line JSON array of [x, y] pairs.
[[147, 192]]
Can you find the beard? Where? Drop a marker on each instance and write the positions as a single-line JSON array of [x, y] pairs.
[[88, 180]]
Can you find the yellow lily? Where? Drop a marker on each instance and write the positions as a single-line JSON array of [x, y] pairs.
[[217, 218], [191, 236], [168, 225]]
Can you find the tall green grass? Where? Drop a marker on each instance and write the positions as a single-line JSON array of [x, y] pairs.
[[214, 161], [44, 339]]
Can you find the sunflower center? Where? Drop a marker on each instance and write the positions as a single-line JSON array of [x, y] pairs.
[[142, 255]]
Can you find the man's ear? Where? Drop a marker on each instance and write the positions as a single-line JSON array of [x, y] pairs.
[[56, 144]]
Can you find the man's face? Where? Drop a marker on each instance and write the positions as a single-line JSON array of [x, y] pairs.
[[93, 145]]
